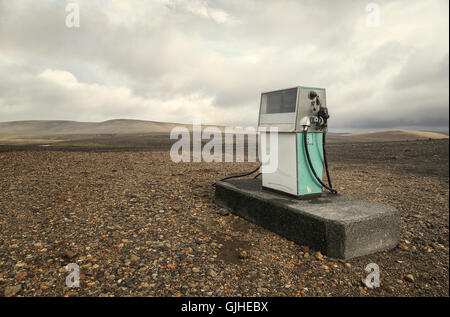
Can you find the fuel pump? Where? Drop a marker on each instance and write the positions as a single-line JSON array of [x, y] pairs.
[[301, 116]]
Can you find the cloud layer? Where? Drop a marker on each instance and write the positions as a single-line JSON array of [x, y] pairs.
[[172, 60]]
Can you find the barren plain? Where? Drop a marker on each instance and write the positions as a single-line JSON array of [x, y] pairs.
[[138, 224]]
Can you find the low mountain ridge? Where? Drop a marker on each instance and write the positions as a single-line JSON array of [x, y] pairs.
[[144, 133]]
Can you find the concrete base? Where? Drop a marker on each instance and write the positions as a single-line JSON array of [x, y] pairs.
[[338, 226]]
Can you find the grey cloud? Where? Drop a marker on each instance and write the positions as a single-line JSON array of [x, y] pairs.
[[175, 59], [423, 68]]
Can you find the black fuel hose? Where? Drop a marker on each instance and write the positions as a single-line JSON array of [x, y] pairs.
[[305, 142], [239, 175], [325, 160]]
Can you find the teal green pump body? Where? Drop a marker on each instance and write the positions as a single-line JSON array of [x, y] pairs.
[[307, 183]]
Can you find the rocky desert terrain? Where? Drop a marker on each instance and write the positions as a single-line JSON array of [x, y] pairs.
[[138, 224]]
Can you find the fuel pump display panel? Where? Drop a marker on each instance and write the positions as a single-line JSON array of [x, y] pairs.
[[278, 109], [280, 101]]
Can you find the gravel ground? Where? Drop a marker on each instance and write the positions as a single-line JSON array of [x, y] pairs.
[[138, 224]]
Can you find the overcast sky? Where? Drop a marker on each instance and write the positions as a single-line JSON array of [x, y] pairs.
[[170, 60]]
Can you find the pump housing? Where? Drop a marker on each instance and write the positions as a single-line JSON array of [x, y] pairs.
[[293, 111]]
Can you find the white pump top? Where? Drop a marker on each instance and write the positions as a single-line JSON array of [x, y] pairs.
[[290, 110]]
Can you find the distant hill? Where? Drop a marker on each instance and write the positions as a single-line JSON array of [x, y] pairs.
[[55, 127], [127, 132], [386, 136]]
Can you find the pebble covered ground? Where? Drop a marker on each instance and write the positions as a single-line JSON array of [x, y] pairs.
[[138, 224]]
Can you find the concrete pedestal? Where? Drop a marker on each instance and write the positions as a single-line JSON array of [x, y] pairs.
[[338, 226]]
